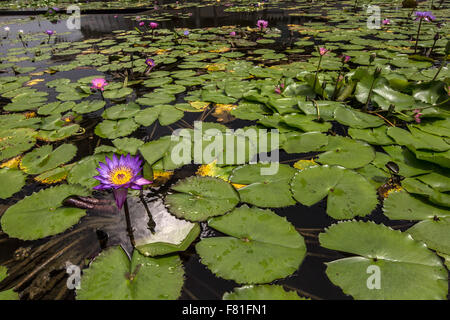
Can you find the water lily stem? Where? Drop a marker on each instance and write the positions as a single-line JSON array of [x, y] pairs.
[[370, 93], [129, 228], [151, 223], [418, 33], [439, 70], [317, 73]]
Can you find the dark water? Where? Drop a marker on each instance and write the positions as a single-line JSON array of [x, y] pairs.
[[37, 268]]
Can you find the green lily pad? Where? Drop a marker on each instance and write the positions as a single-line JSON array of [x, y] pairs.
[[349, 194], [261, 246], [346, 152], [112, 129], [199, 198], [45, 158], [128, 145], [407, 269], [6, 294], [404, 206], [375, 136], [42, 214], [121, 111], [12, 182], [261, 180], [117, 94], [112, 276], [165, 114], [261, 292], [15, 141]]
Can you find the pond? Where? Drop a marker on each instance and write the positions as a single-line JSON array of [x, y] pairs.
[[224, 150]]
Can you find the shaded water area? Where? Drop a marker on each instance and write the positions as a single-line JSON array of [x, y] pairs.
[[37, 269]]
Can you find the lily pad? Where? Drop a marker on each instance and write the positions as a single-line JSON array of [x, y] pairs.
[[407, 269], [15, 141], [349, 194], [45, 158], [261, 292], [199, 198], [261, 180], [112, 276], [261, 246], [42, 214], [12, 182]]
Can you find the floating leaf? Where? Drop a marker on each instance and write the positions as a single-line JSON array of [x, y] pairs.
[[407, 269], [166, 114], [349, 194], [112, 129], [199, 198], [45, 158], [261, 180], [261, 292], [346, 152], [262, 246], [15, 141], [112, 276], [42, 214], [12, 182]]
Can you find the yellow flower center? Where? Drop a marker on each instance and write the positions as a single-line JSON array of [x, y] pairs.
[[121, 175]]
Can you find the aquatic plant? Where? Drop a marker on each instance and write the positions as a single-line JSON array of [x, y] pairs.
[[422, 15]]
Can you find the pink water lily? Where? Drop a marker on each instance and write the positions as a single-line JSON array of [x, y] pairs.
[[262, 24], [386, 21], [417, 115], [232, 33], [153, 25], [99, 84], [323, 51], [120, 174], [345, 59]]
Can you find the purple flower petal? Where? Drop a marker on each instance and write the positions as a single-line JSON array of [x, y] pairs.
[[120, 195], [142, 182]]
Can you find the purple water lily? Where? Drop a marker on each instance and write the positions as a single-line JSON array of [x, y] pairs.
[[426, 15], [150, 62], [120, 174], [422, 15], [186, 32], [50, 32], [262, 24]]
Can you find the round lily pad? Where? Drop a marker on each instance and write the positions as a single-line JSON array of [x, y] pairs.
[[261, 292], [199, 198], [16, 141], [261, 180], [349, 193], [261, 246], [12, 182], [405, 268], [45, 158], [112, 276], [346, 152], [42, 214]]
